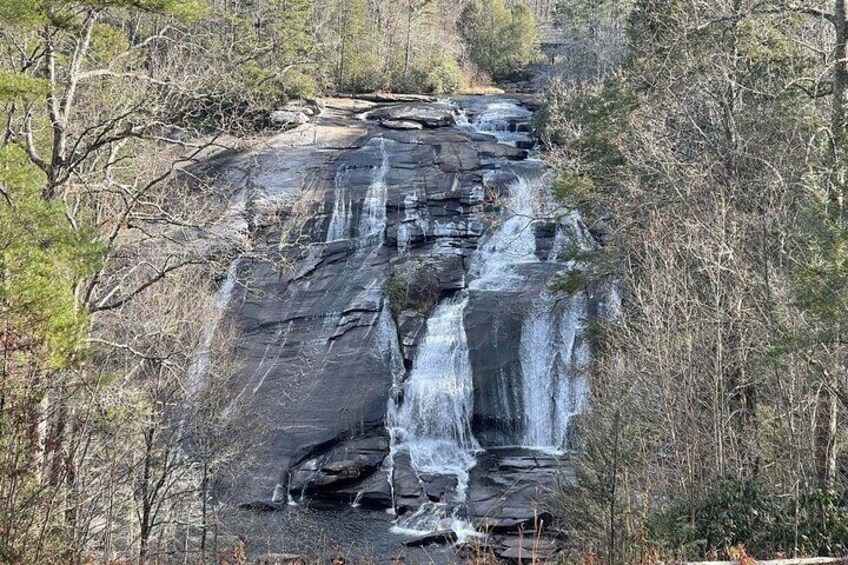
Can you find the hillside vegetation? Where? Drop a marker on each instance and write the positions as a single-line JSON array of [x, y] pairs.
[[112, 240], [706, 143]]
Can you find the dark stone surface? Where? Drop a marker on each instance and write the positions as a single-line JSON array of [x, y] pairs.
[[500, 151], [312, 366], [431, 115], [407, 487], [435, 538], [511, 490], [347, 463]]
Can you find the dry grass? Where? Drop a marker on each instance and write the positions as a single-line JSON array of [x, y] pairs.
[[481, 90]]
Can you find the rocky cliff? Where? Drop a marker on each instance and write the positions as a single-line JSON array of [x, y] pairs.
[[396, 336]]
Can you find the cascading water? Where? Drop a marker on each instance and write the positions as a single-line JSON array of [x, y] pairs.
[[430, 414], [513, 242], [553, 351], [433, 424], [372, 222], [341, 219], [553, 358], [500, 119]]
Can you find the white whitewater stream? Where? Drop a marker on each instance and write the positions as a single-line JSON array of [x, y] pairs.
[[433, 422]]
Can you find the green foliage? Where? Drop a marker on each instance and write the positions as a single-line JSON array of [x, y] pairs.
[[439, 74], [822, 280], [573, 188], [750, 514], [359, 65], [187, 10], [571, 282], [264, 57], [413, 287], [501, 41], [41, 259], [60, 13], [15, 86], [601, 116], [397, 293]]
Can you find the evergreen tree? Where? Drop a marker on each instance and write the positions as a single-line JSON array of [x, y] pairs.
[[501, 41]]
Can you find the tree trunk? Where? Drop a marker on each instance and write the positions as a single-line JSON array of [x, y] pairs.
[[825, 444], [840, 82], [408, 52]]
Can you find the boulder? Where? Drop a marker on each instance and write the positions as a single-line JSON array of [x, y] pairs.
[[435, 538], [510, 490], [428, 115], [289, 118], [501, 151], [401, 124], [405, 483], [347, 463], [309, 106], [439, 488]]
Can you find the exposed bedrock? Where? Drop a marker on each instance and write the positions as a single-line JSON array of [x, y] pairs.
[[360, 232]]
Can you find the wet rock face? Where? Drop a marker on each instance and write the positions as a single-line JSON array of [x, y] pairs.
[[368, 227]]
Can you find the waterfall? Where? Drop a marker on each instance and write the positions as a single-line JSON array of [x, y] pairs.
[[553, 358], [511, 243], [372, 222], [434, 422], [429, 414]]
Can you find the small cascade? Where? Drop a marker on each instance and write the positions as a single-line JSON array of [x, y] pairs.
[[553, 359], [372, 224], [341, 219], [415, 222], [203, 357], [372, 221], [435, 517], [461, 119], [511, 243], [501, 119]]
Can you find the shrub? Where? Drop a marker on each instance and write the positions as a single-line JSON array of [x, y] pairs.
[[413, 287], [436, 75], [747, 513]]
